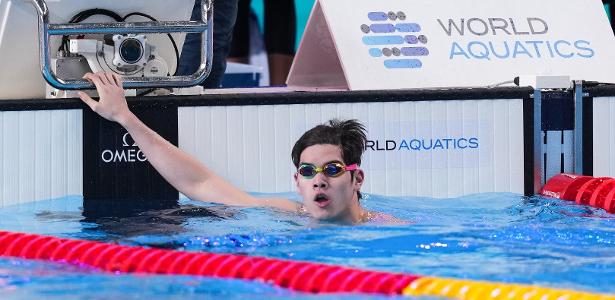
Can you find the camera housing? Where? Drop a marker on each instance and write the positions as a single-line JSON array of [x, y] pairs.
[[130, 51]]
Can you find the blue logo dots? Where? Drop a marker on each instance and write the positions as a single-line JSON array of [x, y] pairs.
[[403, 63], [383, 40], [377, 16], [382, 28], [408, 27], [375, 52], [414, 51], [387, 31]]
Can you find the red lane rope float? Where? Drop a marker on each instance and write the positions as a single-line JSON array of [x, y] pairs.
[[300, 276], [596, 192]]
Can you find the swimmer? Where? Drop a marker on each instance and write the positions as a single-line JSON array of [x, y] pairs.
[[327, 158]]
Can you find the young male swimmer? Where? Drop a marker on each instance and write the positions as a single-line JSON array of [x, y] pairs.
[[327, 158]]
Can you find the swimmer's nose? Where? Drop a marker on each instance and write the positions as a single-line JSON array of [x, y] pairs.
[[319, 182], [321, 185]]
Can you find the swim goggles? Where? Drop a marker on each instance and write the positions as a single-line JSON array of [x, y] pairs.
[[331, 169]]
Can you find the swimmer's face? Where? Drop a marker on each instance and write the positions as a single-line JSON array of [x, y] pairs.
[[329, 198]]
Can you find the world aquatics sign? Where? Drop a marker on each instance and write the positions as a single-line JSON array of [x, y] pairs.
[[396, 44]]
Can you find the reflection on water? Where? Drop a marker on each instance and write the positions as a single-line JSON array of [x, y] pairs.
[[168, 221]]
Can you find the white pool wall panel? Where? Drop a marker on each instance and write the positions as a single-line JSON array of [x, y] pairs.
[[42, 152], [251, 145], [604, 136], [40, 155]]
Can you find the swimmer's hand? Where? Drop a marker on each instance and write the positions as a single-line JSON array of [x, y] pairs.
[[112, 104]]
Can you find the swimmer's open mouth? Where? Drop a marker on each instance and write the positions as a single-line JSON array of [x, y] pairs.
[[322, 200]]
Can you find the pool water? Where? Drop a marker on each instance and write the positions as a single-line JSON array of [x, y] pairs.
[[496, 237]]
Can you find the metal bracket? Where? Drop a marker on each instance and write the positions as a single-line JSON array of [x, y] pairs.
[[538, 166], [204, 27], [578, 127]]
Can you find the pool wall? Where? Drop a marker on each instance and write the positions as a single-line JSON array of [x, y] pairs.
[[433, 143], [40, 154], [604, 136], [414, 148], [603, 122]]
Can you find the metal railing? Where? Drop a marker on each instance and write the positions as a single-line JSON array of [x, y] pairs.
[[203, 26]]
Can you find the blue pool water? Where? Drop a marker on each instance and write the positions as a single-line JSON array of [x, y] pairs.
[[496, 237]]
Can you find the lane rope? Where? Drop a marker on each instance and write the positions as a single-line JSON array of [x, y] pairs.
[[297, 275], [585, 190]]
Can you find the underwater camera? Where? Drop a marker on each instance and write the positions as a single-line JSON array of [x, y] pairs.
[[128, 55], [54, 43]]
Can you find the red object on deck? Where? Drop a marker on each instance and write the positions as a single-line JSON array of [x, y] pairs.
[[300, 276], [596, 192]]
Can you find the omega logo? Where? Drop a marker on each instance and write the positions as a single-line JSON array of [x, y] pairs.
[[129, 153]]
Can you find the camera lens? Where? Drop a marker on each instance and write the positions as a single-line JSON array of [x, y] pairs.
[[131, 50]]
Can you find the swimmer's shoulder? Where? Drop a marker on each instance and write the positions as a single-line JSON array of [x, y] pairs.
[[376, 217]]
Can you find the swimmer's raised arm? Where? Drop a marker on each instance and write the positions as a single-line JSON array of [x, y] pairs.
[[182, 171]]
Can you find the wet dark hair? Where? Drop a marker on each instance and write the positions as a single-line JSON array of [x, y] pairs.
[[349, 135]]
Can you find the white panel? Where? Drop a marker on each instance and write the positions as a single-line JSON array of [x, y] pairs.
[[611, 141], [298, 119], [75, 152], [329, 111], [501, 146], [41, 155], [437, 125], [220, 139], [312, 115], [485, 156], [42, 151], [298, 125], [604, 142], [265, 135], [236, 157], [42, 132], [251, 149], [516, 154], [455, 172], [10, 156], [409, 163], [471, 177], [283, 163], [423, 116], [26, 152], [2, 159], [187, 137], [393, 158], [203, 134], [59, 161]]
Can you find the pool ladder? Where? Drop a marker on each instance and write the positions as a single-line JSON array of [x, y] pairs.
[[203, 26]]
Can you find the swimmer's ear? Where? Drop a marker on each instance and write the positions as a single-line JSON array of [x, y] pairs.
[[359, 177], [295, 176]]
